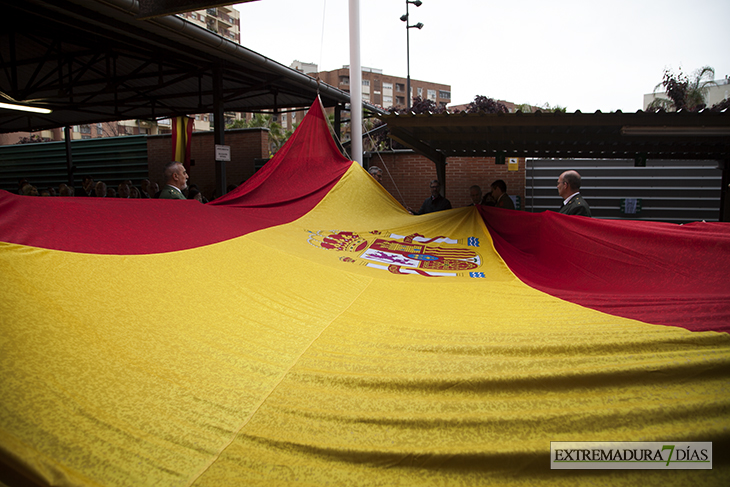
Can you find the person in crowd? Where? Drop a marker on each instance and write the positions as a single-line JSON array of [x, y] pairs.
[[195, 194], [88, 187], [100, 189], [176, 180], [111, 193], [475, 195], [376, 173], [433, 203], [145, 192], [21, 184], [501, 198], [123, 190], [488, 199], [569, 190], [154, 190], [52, 191], [45, 192], [29, 190], [134, 192], [65, 190]]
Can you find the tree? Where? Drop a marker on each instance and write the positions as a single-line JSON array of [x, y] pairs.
[[684, 93], [483, 104], [277, 135], [33, 139], [237, 124], [554, 109]]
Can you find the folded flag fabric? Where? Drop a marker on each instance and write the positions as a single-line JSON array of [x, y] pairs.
[[306, 330]]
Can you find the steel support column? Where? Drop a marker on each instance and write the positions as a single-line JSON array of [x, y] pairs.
[[69, 155], [219, 127]]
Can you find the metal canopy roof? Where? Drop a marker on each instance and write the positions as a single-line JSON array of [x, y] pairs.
[[682, 135], [92, 61]]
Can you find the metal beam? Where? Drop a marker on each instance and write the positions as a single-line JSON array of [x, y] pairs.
[[219, 127], [438, 158]]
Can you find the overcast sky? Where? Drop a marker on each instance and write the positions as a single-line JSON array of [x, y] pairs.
[[584, 55]]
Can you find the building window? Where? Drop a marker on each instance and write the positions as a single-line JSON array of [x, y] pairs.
[[85, 129], [431, 95], [195, 16], [366, 97], [387, 101], [99, 130], [399, 100], [344, 80], [400, 87], [420, 92], [445, 94], [366, 82]]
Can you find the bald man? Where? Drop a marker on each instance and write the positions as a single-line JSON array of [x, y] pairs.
[[569, 190]]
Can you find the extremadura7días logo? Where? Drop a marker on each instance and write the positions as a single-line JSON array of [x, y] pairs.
[[635, 455]]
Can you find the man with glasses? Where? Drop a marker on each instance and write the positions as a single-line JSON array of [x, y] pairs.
[[435, 202], [569, 190]]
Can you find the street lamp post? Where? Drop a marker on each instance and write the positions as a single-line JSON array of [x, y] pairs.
[[418, 26]]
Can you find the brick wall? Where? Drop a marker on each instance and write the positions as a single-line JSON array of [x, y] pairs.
[[410, 171], [413, 172], [247, 145]]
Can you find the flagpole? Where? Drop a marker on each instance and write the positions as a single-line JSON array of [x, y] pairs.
[[355, 84]]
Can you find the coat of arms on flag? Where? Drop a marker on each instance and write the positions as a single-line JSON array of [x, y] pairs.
[[403, 254]]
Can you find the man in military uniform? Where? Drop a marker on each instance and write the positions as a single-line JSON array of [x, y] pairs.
[[176, 180], [569, 190]]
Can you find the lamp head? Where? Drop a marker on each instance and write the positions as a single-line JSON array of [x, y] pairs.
[[404, 18]]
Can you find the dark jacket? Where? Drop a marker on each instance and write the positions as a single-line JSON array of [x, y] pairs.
[[576, 206], [434, 204]]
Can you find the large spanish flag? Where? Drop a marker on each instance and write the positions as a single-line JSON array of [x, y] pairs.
[[306, 330]]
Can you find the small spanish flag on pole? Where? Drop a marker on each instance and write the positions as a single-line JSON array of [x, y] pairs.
[[182, 131]]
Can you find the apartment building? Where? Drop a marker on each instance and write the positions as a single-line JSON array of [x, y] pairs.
[[387, 91], [225, 21]]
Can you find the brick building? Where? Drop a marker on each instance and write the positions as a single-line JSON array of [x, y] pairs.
[[387, 91], [223, 20]]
